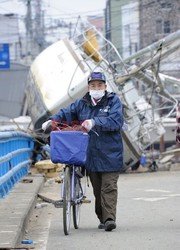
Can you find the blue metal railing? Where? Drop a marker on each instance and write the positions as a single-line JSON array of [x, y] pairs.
[[15, 151]]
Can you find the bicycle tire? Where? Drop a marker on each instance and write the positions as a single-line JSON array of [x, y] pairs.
[[76, 207], [67, 201]]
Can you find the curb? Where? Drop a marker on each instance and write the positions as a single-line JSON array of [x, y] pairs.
[[16, 210]]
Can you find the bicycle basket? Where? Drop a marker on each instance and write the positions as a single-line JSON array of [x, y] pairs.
[[69, 147]]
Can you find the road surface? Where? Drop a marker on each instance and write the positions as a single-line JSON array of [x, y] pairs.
[[148, 218]]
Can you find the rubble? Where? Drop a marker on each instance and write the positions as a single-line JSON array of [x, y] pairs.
[[50, 169]]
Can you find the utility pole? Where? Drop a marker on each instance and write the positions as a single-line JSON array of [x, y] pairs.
[[29, 32], [70, 30], [39, 27], [34, 22]]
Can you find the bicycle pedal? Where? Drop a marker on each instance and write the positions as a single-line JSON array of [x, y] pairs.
[[86, 201], [58, 204]]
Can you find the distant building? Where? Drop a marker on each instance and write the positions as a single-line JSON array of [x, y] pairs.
[[9, 33], [13, 80], [12, 90], [97, 21], [158, 19], [122, 25], [133, 25]]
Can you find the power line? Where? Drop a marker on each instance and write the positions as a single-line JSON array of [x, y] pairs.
[[65, 13], [72, 13], [115, 13]]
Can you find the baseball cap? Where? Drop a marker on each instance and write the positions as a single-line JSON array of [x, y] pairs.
[[96, 76]]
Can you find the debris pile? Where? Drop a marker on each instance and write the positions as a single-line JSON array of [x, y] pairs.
[[50, 169]]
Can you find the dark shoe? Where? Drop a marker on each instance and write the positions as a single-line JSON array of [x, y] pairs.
[[109, 225], [101, 226]]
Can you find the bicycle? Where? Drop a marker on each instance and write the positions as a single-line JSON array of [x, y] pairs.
[[70, 147]]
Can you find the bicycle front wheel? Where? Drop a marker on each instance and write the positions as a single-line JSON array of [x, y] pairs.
[[76, 207], [67, 201]]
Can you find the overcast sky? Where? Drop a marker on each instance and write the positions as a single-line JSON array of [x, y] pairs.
[[75, 6], [57, 7], [66, 10]]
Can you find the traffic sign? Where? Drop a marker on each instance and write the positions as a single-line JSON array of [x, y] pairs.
[[4, 56]]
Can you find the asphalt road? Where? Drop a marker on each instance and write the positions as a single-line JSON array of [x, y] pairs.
[[148, 217]]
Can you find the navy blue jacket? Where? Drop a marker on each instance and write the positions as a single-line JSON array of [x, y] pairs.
[[105, 152]]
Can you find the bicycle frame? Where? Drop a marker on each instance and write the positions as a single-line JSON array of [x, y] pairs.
[[72, 192], [74, 179]]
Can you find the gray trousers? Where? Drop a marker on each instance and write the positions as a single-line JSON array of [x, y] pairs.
[[105, 192]]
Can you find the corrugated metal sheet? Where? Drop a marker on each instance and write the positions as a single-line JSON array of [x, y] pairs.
[[12, 90]]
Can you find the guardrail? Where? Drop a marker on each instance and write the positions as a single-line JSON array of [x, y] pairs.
[[15, 151]]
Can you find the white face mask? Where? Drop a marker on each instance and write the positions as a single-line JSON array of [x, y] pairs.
[[97, 94]]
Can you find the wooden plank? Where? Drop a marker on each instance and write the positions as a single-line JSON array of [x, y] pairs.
[[174, 152], [49, 197], [166, 158]]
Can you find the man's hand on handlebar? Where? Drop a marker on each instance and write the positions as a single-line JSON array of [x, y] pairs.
[[47, 127], [88, 124], [50, 125]]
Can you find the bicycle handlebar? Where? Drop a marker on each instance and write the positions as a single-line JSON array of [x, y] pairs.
[[67, 128]]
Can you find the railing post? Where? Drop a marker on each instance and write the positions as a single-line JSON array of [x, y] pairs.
[[15, 153]]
